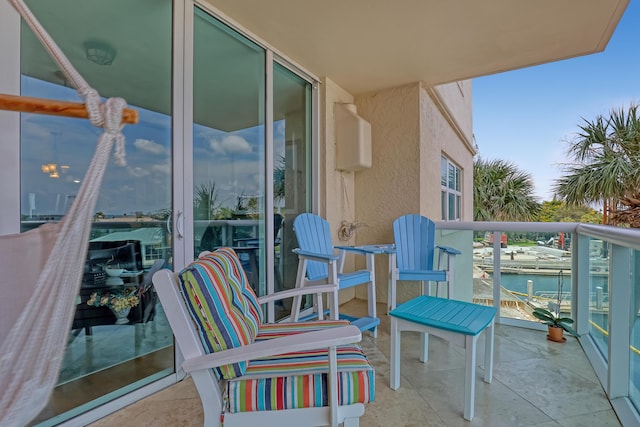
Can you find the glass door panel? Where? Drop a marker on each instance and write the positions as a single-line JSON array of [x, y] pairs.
[[229, 145], [292, 172], [126, 55]]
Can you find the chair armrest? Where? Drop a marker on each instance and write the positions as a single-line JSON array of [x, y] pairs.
[[449, 250], [299, 342], [308, 290], [315, 256]]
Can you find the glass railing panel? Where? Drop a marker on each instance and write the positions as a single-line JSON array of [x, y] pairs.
[[599, 294], [534, 271], [634, 349]]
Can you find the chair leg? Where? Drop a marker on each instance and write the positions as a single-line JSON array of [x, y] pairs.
[[449, 280], [391, 297], [371, 292], [295, 307], [392, 292]]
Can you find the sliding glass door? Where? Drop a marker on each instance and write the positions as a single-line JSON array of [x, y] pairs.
[[235, 175], [292, 100], [231, 173], [126, 55], [229, 144]]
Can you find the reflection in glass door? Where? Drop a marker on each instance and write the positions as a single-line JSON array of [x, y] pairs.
[[291, 174], [106, 356], [229, 144]]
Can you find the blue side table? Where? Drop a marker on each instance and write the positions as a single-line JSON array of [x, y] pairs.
[[458, 322]]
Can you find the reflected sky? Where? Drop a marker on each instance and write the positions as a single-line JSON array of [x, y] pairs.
[[144, 185]]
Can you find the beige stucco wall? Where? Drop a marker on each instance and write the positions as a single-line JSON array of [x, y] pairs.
[[391, 187], [446, 129], [411, 127], [337, 188], [457, 99]]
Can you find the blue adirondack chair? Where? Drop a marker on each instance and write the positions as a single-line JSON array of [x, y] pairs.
[[414, 237], [318, 263]]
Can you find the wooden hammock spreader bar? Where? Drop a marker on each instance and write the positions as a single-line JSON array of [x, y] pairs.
[[27, 104]]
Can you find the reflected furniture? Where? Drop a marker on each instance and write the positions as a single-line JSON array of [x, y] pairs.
[[127, 255], [226, 233], [319, 264], [414, 237], [458, 322], [251, 373]]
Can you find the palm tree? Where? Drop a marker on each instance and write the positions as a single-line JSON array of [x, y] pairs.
[[606, 166], [501, 192]]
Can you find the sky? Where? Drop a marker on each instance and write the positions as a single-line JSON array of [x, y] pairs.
[[528, 116]]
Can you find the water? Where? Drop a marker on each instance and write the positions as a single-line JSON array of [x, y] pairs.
[[544, 283]]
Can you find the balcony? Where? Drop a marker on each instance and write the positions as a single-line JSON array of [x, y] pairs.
[[535, 382], [591, 380]]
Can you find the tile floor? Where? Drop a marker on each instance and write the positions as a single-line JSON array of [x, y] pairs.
[[536, 383]]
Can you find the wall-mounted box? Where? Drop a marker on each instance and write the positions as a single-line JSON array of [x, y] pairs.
[[353, 139]]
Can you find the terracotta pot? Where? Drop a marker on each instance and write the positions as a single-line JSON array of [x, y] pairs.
[[556, 333]]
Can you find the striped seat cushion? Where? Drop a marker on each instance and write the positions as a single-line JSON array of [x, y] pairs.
[[213, 287], [299, 379], [275, 330]]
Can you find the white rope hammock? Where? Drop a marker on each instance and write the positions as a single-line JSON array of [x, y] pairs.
[[42, 268]]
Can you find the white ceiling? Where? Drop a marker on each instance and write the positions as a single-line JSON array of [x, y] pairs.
[[362, 45], [366, 45]]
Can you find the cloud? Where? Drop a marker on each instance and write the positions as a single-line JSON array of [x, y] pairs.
[[230, 144], [138, 171], [163, 168], [149, 146]]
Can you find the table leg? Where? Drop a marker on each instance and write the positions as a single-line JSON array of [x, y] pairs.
[[488, 353], [371, 291], [395, 355], [470, 376], [424, 347]]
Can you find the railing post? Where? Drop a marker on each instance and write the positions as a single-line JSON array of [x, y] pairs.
[[497, 287], [599, 297], [580, 282], [620, 293]]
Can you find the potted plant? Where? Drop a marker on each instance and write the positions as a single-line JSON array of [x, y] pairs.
[[120, 301], [557, 325]]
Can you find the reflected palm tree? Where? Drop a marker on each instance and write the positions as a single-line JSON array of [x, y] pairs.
[[205, 201], [278, 179]]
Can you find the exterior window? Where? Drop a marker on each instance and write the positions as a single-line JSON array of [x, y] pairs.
[[451, 192]]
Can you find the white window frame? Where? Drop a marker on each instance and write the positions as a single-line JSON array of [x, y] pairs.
[[446, 189]]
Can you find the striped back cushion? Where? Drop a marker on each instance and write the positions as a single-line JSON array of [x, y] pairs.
[[225, 316], [237, 278]]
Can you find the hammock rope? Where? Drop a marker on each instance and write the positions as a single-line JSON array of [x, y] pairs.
[[34, 330]]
